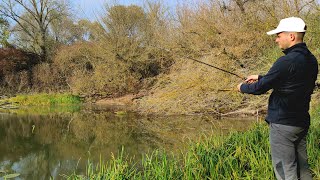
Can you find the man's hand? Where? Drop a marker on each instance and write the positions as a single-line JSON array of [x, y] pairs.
[[251, 79]]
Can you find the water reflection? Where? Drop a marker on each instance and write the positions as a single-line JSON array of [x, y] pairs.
[[47, 144]]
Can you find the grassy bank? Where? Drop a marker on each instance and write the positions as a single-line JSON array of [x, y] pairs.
[[45, 99], [240, 155]]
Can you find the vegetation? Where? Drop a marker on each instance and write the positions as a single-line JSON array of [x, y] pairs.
[[4, 32], [239, 155], [145, 50], [45, 99], [34, 22]]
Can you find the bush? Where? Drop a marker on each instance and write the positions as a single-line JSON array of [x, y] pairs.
[[47, 78], [16, 69], [89, 69]]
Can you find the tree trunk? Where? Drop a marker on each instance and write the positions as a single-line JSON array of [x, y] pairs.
[[43, 46]]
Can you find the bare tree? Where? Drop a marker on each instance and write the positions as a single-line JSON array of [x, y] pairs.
[[33, 18]]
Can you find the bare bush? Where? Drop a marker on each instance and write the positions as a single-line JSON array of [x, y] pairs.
[[137, 37], [47, 78], [16, 69], [90, 70]]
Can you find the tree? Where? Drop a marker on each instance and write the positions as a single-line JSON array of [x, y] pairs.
[[124, 25], [4, 32], [33, 19], [125, 30], [135, 36], [68, 31]]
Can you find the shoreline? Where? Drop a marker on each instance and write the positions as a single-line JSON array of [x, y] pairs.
[[130, 102]]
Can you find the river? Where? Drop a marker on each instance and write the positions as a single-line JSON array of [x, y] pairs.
[[49, 142]]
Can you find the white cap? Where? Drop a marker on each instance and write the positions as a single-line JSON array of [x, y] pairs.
[[291, 24]]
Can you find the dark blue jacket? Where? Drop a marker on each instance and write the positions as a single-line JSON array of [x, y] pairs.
[[292, 78]]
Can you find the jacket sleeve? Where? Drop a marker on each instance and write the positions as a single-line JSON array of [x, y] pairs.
[[275, 76]]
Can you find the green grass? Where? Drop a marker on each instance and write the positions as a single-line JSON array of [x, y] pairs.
[[239, 155], [45, 99]]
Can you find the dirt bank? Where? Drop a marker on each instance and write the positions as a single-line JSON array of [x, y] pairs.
[[126, 100]]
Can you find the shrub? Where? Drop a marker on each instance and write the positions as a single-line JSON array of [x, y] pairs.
[[16, 69], [89, 69], [47, 78]]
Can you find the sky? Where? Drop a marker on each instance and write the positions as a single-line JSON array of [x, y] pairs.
[[91, 8]]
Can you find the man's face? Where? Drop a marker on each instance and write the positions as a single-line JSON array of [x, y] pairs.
[[284, 40]]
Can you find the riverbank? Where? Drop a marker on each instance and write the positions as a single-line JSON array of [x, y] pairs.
[[239, 155], [148, 103]]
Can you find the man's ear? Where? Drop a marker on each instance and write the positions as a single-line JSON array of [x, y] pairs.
[[293, 36]]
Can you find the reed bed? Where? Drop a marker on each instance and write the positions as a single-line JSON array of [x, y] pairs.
[[239, 155]]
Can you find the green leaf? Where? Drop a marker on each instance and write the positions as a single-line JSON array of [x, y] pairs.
[[9, 176]]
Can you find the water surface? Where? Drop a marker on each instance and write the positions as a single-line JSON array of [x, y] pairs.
[[45, 142]]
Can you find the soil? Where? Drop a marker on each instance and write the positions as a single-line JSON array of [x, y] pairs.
[[127, 100]]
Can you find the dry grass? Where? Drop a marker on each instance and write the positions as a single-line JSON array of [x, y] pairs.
[[192, 88]]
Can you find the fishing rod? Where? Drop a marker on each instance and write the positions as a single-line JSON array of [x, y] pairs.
[[241, 77], [226, 90], [210, 65]]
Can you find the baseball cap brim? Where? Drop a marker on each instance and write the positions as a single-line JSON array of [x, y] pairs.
[[275, 31]]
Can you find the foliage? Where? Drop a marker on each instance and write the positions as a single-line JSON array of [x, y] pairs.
[[131, 35], [90, 70], [16, 69], [4, 32], [72, 32], [46, 77], [118, 168], [122, 54]]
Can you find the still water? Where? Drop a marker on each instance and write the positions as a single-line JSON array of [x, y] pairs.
[[44, 143]]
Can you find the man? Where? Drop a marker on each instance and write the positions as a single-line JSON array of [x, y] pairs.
[[292, 78]]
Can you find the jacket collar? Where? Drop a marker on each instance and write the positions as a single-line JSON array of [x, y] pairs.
[[299, 45]]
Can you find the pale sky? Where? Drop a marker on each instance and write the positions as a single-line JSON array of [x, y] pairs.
[[91, 8]]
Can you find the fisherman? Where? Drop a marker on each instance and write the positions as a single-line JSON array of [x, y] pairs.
[[292, 78]]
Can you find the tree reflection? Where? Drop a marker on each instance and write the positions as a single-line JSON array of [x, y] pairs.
[[44, 146]]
